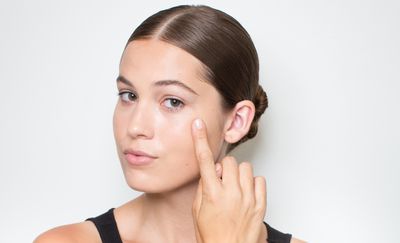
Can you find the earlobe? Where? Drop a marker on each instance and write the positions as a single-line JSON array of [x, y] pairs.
[[240, 122]]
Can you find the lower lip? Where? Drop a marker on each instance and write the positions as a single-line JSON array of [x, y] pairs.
[[138, 160]]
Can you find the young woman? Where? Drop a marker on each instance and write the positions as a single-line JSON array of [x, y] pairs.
[[188, 95]]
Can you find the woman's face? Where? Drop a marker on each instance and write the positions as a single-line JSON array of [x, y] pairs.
[[155, 111]]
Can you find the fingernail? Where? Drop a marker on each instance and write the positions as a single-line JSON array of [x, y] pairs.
[[198, 123]]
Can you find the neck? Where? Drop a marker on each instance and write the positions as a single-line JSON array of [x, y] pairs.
[[170, 213]]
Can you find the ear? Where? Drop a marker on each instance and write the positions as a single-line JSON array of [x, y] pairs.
[[239, 121]]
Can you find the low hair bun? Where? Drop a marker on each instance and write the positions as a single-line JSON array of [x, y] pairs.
[[261, 104]]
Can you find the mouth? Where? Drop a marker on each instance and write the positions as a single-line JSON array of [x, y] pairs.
[[138, 158]]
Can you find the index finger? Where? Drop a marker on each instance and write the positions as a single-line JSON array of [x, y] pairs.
[[203, 154]]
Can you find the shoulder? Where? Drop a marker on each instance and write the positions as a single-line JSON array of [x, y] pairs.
[[71, 233], [294, 240]]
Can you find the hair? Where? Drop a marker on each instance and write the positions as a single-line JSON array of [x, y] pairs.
[[229, 58]]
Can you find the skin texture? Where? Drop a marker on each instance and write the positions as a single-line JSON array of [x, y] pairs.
[[173, 207], [151, 125]]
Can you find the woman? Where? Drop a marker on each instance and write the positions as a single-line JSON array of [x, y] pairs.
[[188, 95]]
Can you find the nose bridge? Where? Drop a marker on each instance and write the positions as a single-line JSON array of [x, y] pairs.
[[140, 124]]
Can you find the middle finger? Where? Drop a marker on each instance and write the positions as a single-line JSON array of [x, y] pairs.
[[230, 172]]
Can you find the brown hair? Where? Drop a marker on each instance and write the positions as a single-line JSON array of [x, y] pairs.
[[223, 46]]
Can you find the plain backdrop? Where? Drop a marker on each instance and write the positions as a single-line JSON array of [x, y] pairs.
[[328, 145]]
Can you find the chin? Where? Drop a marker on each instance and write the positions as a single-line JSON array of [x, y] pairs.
[[144, 189], [148, 185], [142, 183]]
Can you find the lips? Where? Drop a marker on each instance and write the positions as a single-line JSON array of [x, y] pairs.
[[138, 158]]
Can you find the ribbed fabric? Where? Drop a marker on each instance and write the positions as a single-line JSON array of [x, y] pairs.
[[108, 230]]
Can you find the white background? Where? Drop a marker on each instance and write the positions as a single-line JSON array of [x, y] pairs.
[[328, 144]]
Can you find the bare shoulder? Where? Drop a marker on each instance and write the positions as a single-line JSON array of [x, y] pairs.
[[294, 240], [70, 233]]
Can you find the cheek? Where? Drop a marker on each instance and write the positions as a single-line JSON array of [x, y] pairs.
[[177, 139], [215, 141], [176, 134]]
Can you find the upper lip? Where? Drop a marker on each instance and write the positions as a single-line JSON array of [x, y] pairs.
[[138, 153]]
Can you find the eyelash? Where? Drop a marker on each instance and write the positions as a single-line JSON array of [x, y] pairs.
[[174, 109]]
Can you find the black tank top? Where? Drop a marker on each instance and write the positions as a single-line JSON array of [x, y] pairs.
[[107, 228]]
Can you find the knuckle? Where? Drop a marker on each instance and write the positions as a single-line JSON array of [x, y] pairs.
[[245, 166], [260, 179], [248, 201], [203, 155], [246, 170], [259, 210], [235, 193], [211, 196], [201, 135], [229, 160]]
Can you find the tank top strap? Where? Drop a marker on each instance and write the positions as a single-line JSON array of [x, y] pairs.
[[107, 227], [275, 236]]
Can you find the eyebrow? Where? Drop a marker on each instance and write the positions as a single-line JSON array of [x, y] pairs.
[[122, 79]]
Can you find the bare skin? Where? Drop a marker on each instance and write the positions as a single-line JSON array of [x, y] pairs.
[[173, 206]]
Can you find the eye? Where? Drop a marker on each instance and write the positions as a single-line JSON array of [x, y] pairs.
[[127, 96], [173, 104]]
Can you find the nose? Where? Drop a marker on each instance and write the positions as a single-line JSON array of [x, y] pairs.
[[140, 124]]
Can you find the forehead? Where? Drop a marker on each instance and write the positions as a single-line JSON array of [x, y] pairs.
[[157, 60]]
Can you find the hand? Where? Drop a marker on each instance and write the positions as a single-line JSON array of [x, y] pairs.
[[228, 209]]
